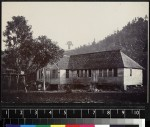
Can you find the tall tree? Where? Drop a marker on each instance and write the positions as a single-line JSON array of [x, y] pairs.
[[17, 33], [24, 53], [42, 51]]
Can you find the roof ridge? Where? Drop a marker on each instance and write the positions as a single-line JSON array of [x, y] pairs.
[[98, 52], [121, 57]]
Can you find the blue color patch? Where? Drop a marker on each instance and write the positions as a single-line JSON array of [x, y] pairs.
[[11, 125]]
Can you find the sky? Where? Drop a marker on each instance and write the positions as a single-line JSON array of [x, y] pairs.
[[79, 22]]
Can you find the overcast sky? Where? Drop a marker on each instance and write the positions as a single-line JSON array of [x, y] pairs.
[[79, 22]]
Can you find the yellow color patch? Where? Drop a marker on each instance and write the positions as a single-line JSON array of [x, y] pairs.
[[58, 125]]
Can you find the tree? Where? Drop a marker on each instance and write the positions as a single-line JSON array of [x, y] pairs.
[[93, 43], [146, 17], [24, 53], [43, 51], [17, 33]]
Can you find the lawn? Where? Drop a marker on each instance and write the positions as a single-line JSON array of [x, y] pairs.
[[108, 97]]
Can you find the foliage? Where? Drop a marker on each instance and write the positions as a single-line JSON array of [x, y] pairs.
[[17, 32], [132, 40], [68, 89], [24, 53], [39, 53]]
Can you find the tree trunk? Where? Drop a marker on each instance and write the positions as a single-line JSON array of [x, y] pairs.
[[9, 82], [24, 82], [44, 88], [17, 82]]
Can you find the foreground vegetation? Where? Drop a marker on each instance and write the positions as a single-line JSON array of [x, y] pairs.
[[108, 97]]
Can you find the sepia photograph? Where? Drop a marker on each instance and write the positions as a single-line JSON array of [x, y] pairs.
[[74, 52]]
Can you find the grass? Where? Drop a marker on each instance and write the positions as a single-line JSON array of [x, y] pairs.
[[82, 97]]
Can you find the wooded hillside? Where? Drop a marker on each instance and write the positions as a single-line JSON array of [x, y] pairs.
[[132, 40]]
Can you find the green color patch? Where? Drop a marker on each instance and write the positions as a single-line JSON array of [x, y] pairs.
[[43, 125]]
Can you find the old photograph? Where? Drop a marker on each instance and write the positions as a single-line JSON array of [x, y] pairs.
[[74, 52]]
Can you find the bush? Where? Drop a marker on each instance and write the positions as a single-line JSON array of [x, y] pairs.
[[68, 88], [31, 85]]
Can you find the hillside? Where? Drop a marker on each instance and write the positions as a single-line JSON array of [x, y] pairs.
[[132, 40]]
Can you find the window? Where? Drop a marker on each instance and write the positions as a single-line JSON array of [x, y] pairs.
[[97, 73], [105, 73], [47, 76], [77, 73], [130, 72], [89, 73], [54, 73], [67, 73], [40, 74], [85, 73], [109, 72], [81, 73], [100, 73], [115, 72]]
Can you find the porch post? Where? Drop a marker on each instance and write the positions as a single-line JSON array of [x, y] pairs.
[[125, 87]]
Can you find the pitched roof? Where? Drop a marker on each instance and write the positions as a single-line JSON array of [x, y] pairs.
[[129, 63], [101, 60], [96, 60], [61, 64]]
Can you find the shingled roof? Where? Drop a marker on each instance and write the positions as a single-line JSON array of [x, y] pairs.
[[61, 64], [130, 63], [102, 60]]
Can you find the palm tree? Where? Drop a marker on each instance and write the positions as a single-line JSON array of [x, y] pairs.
[[69, 43]]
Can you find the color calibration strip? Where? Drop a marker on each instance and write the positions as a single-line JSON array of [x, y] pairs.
[[82, 125], [57, 125]]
